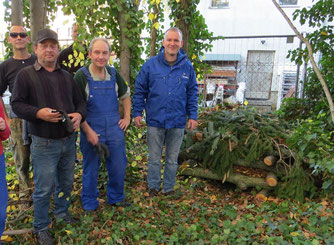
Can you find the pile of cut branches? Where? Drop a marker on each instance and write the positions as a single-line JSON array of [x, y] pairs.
[[245, 138]]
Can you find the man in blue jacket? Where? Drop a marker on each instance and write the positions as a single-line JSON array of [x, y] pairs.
[[166, 88]]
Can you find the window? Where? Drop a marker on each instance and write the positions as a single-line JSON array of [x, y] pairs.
[[220, 3], [288, 2]]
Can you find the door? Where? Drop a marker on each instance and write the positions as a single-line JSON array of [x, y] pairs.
[[259, 74]]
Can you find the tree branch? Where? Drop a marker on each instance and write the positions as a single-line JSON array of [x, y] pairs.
[[310, 55]]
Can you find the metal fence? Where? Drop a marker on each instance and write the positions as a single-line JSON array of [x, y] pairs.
[[258, 62]]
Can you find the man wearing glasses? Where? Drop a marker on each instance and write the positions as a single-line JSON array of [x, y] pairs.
[[18, 39]]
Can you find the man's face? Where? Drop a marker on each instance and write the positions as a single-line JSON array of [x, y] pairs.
[[172, 43], [18, 38], [47, 52], [100, 54]]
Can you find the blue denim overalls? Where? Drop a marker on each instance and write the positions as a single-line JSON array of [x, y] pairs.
[[103, 118]]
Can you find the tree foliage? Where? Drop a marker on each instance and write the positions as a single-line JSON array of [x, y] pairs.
[[314, 134], [120, 20]]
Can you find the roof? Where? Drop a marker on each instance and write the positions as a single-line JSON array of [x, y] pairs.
[[221, 57]]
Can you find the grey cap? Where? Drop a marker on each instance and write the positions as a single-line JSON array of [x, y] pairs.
[[45, 34]]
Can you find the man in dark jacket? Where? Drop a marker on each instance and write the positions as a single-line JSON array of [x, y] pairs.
[[43, 94], [18, 39], [166, 88]]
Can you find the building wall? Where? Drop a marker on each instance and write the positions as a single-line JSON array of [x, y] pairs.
[[255, 25], [249, 18]]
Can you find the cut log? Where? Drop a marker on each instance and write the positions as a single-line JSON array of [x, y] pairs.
[[262, 195], [242, 181], [16, 232], [193, 153], [271, 179], [270, 160]]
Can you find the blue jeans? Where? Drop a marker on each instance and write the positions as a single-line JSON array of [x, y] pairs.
[[156, 138], [53, 166], [3, 193]]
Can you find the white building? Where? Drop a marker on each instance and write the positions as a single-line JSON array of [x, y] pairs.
[[259, 38]]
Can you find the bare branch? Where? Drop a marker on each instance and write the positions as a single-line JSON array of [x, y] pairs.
[[310, 55]]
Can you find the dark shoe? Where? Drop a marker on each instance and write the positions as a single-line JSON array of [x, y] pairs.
[[121, 204], [153, 192], [174, 195], [44, 237], [68, 219], [168, 193]]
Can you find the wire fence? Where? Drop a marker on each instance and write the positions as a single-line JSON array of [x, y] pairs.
[[259, 64]]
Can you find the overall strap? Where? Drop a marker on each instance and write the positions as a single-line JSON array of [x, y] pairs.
[[111, 71], [86, 72]]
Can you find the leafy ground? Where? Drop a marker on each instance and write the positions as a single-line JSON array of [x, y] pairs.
[[201, 212]]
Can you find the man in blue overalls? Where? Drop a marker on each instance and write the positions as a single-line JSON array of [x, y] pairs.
[[102, 86]]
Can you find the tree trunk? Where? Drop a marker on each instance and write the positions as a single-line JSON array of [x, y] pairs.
[[153, 46], [125, 53], [310, 55], [17, 13], [182, 24], [242, 181], [38, 17]]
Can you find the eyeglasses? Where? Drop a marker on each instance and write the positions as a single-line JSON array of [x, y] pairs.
[[15, 34]]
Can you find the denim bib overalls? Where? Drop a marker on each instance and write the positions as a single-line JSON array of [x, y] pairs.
[[103, 118]]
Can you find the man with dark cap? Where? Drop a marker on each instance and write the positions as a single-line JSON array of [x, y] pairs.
[[43, 95]]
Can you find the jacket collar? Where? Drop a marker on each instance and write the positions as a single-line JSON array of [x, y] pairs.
[[38, 66]]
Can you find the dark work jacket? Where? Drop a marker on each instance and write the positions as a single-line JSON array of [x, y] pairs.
[[59, 92]]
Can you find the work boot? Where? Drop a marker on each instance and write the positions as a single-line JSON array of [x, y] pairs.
[[69, 219], [153, 192], [123, 204], [44, 237]]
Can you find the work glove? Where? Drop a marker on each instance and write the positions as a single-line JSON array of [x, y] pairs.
[[67, 123], [102, 150]]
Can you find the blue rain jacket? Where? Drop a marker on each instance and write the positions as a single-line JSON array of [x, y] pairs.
[[169, 94]]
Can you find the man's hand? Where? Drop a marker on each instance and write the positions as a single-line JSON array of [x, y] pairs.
[[49, 115], [138, 121], [192, 124], [2, 124], [124, 123], [92, 137], [76, 119]]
